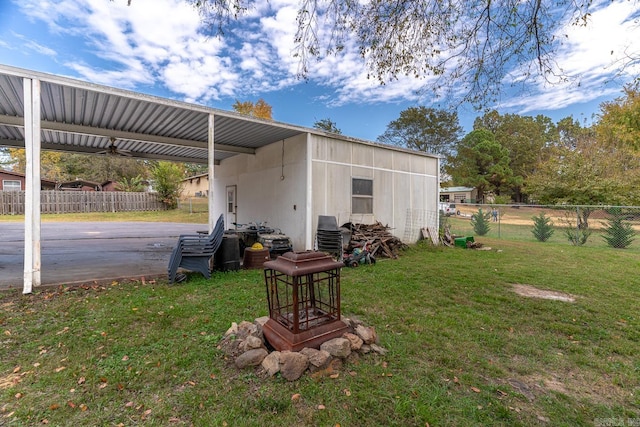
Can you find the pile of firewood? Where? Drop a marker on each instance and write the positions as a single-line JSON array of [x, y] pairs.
[[376, 239]]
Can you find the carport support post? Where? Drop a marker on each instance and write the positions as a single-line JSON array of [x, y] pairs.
[[32, 254], [308, 226], [211, 159]]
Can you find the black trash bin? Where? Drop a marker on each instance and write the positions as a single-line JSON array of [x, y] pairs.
[[227, 257]]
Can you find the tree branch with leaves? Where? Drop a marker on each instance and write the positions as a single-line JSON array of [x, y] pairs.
[[465, 51]]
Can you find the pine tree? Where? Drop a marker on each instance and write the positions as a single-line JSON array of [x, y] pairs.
[[480, 222], [542, 227], [618, 233]]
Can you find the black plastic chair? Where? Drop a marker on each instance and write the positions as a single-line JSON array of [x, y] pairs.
[[194, 251], [329, 236]]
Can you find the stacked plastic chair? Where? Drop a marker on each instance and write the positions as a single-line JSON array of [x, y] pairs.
[[329, 236], [194, 251]]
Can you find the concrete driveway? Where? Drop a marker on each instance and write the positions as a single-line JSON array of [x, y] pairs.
[[83, 252]]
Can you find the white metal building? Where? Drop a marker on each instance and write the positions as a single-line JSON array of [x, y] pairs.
[[291, 182], [263, 170]]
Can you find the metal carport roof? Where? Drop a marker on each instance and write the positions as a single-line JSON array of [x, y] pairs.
[[83, 117]]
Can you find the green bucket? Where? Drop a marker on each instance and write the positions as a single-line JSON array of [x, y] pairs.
[[461, 242]]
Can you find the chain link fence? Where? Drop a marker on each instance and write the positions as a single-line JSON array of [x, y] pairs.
[[193, 205], [616, 227]]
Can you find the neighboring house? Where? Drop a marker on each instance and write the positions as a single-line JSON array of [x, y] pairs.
[[459, 195], [110, 186], [13, 181], [354, 180], [79, 185], [196, 186]]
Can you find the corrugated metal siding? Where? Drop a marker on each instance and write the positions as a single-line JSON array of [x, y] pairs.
[[11, 95]]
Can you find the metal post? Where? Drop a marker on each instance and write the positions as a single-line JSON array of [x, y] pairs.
[[212, 219], [32, 254], [308, 221]]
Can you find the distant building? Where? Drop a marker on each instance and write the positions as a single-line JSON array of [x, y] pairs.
[[79, 185], [110, 186], [196, 186], [14, 181], [459, 195]]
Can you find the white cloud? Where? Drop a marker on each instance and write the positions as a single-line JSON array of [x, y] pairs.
[[43, 50], [589, 55], [163, 42], [30, 45]]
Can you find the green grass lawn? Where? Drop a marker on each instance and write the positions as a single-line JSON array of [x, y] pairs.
[[464, 349]]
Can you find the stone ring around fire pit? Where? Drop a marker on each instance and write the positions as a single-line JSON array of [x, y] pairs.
[[245, 344]]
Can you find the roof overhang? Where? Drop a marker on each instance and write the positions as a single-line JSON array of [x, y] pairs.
[[82, 117]]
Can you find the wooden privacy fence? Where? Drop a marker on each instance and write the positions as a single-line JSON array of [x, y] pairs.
[[58, 202]]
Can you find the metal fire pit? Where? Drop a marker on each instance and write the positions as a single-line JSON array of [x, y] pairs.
[[303, 292]]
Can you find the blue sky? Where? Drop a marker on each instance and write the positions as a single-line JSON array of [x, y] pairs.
[[159, 47]]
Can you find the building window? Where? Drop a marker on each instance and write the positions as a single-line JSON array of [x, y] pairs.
[[10, 185], [361, 196]]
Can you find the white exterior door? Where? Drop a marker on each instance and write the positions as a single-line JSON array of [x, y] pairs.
[[232, 206]]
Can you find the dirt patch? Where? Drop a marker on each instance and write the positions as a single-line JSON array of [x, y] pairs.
[[596, 389], [533, 292]]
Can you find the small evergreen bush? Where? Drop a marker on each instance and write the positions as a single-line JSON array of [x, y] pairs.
[[618, 233], [480, 221], [542, 227]]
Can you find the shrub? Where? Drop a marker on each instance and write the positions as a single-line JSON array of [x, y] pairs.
[[577, 236], [577, 230], [167, 182], [542, 227], [480, 222], [618, 233]]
